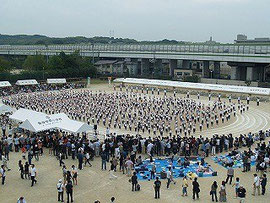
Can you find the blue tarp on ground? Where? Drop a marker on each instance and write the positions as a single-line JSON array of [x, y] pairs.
[[143, 171]]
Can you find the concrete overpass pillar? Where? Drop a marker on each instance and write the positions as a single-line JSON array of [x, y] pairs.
[[205, 69], [250, 71], [172, 66], [145, 66], [158, 67], [216, 70], [235, 73]]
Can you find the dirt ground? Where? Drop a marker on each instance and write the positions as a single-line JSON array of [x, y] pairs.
[[94, 184]]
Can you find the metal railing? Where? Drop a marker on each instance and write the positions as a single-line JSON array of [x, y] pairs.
[[225, 49]]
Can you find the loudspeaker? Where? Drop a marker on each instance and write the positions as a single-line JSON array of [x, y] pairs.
[[95, 127]]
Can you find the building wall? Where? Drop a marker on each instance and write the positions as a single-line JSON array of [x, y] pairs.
[[227, 82], [180, 73]]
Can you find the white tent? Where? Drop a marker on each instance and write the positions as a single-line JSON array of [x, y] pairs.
[[26, 82], [41, 122], [74, 126], [5, 109], [197, 86], [56, 81], [5, 84], [23, 114]]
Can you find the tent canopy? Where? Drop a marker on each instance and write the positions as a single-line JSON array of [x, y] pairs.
[[37, 122], [22, 114], [5, 84], [56, 81], [74, 126], [197, 86], [5, 109], [26, 82]]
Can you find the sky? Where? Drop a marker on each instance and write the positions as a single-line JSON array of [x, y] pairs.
[[187, 20]]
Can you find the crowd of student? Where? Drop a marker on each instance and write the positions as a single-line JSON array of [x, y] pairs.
[[148, 115], [16, 89]]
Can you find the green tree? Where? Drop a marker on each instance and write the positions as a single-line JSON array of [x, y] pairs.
[[56, 62], [37, 62], [5, 65]]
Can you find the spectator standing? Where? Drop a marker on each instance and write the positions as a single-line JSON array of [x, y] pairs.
[[3, 174], [69, 191], [263, 183], [60, 189], [222, 192], [33, 173], [157, 185], [256, 185], [236, 185], [213, 191], [230, 174], [134, 181], [241, 193], [196, 188], [184, 186]]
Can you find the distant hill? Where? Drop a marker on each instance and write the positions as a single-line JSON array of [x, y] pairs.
[[44, 40]]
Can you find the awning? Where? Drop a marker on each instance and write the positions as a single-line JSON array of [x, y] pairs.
[[5, 109], [5, 84], [56, 81], [26, 82]]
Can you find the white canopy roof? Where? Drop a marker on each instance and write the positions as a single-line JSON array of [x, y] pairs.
[[73, 126], [5, 84], [56, 81], [44, 122], [23, 114], [26, 82], [37, 122], [198, 86], [5, 109]]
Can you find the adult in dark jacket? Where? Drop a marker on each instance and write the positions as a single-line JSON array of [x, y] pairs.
[[80, 159], [263, 183], [196, 188], [69, 191], [157, 185], [241, 192], [134, 181]]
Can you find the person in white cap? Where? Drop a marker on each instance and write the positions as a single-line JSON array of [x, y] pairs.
[[60, 189]]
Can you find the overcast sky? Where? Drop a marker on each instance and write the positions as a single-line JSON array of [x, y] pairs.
[[188, 20]]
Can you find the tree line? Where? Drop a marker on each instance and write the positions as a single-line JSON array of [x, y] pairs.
[[42, 67]]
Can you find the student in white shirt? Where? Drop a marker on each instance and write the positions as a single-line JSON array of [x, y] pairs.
[[33, 173], [3, 174], [168, 177], [256, 185], [60, 188]]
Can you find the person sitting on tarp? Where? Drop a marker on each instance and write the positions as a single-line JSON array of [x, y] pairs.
[[186, 163], [202, 161], [139, 161], [200, 167], [233, 153], [179, 162]]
